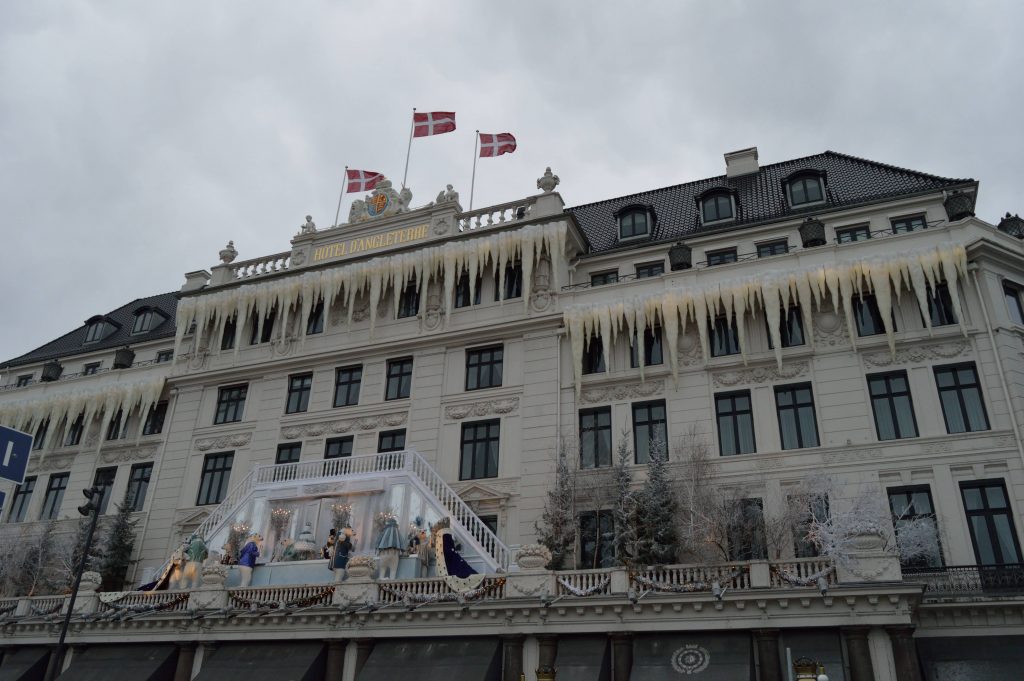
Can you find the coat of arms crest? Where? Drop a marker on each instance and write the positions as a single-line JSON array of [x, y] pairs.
[[384, 201]]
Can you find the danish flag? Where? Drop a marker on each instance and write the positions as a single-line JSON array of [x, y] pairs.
[[432, 123], [496, 145], [361, 180]]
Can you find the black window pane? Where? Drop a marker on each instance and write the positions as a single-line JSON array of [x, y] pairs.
[[230, 404], [633, 224], [649, 430], [346, 385], [104, 480], [597, 534], [22, 497], [602, 278], [772, 248], [908, 224], [940, 306], [853, 234], [1013, 303], [912, 511], [721, 257], [399, 378], [991, 523], [651, 269], [593, 357], [338, 447], [315, 323], [391, 441], [227, 340], [724, 338], [867, 316], [892, 406], [596, 437], [55, 488], [717, 207], [299, 388], [479, 446], [797, 424], [960, 396], [512, 285], [484, 367], [213, 484], [735, 424], [653, 353], [409, 301], [155, 419], [138, 485]]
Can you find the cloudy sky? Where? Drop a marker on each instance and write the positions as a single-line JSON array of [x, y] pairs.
[[136, 138]]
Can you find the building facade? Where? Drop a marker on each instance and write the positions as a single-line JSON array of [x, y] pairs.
[[828, 328]]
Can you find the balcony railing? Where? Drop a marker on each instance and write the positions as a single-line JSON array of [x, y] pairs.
[[969, 580]]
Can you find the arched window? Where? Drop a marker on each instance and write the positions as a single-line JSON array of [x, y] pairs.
[[804, 189], [633, 223], [716, 207], [95, 332]]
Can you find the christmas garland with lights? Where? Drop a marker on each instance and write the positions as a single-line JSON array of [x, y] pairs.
[[43, 613], [306, 602], [810, 580], [9, 609], [686, 587], [141, 608], [589, 591], [452, 597]]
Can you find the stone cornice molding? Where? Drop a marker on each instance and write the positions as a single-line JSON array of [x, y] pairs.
[[53, 461], [346, 425], [621, 391], [127, 454], [769, 373], [918, 353], [228, 440], [504, 405]]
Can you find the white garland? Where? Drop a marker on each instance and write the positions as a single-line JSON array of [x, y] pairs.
[[409, 597], [589, 591], [686, 587], [810, 580]]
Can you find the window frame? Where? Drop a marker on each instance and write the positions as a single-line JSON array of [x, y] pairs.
[[315, 321], [402, 378], [889, 399], [802, 179], [604, 544], [288, 452], [768, 249], [265, 331], [720, 325], [604, 277], [54, 496], [721, 256], [757, 547], [649, 424], [462, 290], [954, 368], [654, 349], [408, 301], [107, 484], [911, 491], [24, 380], [297, 397], [484, 450], [164, 356], [716, 197], [593, 357], [482, 361], [907, 221], [598, 430], [146, 317], [937, 306], [867, 304], [91, 368], [1013, 290], [794, 318], [856, 230], [392, 435], [74, 436], [229, 405], [647, 270], [989, 513], [340, 443], [795, 408], [138, 485], [21, 499], [511, 284], [632, 212], [344, 377], [735, 416], [94, 332], [214, 478], [155, 418]]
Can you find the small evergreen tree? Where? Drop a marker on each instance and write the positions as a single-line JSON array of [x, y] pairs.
[[625, 501], [657, 512], [117, 548], [556, 528]]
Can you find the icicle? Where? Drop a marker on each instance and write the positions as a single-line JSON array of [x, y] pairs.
[[881, 282], [670, 331], [950, 262]]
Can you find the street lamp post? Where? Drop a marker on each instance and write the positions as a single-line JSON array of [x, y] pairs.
[[95, 497]]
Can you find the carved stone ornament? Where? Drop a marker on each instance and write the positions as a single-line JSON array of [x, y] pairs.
[[540, 297], [919, 353], [623, 391], [761, 374], [306, 430], [447, 195], [50, 462], [309, 227], [129, 454], [228, 253], [486, 408], [441, 226], [233, 440], [298, 258], [384, 201], [547, 182]]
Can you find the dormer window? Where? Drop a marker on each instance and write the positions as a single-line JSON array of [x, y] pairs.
[[717, 207], [634, 222], [143, 322], [95, 332], [98, 328], [805, 189]]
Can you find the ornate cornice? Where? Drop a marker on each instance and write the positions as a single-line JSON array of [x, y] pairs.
[[344, 425], [763, 374], [233, 440], [918, 353], [622, 391], [50, 462], [127, 454], [505, 405]]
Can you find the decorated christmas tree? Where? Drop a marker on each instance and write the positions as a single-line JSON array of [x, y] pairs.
[[556, 528], [656, 513]]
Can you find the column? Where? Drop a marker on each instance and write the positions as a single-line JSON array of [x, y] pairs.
[[548, 648], [859, 653], [904, 653], [767, 642], [335, 660], [364, 646], [622, 656], [186, 658], [512, 657]]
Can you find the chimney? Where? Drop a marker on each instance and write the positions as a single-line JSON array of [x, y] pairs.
[[742, 162]]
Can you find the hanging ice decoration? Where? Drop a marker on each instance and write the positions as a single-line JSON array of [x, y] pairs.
[[775, 291], [442, 264], [67, 405]]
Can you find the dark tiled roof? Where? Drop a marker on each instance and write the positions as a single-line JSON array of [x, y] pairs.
[[123, 317], [760, 196]]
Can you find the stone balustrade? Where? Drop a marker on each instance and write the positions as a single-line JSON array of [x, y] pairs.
[[514, 211]]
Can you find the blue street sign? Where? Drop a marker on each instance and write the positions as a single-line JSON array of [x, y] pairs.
[[3, 498], [15, 446]]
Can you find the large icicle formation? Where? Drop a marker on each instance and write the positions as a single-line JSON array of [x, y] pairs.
[[67, 405], [773, 291], [443, 264]]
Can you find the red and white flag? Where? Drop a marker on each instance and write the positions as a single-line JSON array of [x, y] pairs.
[[361, 180], [496, 145], [432, 123]]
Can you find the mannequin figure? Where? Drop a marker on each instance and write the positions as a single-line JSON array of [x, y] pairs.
[[177, 569], [343, 547], [328, 548], [304, 547], [247, 558], [195, 554], [389, 547]]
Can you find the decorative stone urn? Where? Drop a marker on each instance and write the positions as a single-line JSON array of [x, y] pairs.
[[90, 582], [680, 257], [812, 233], [547, 182], [533, 557], [51, 371], [1012, 225], [959, 205], [215, 575], [360, 566], [228, 253]]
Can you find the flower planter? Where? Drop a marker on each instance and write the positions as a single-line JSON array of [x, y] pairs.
[[812, 233], [123, 358], [680, 257], [51, 371]]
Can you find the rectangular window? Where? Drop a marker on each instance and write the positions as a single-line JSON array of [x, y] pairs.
[[480, 441], [338, 447], [649, 431], [262, 333], [155, 419], [602, 278], [315, 323], [346, 385], [75, 432], [138, 485], [893, 406], [117, 430], [399, 375], [464, 297], [1013, 304], [771, 248], [797, 425], [22, 496], [289, 452], [597, 539], [40, 438], [91, 368], [230, 404], [910, 223], [484, 367], [724, 339], [867, 316], [409, 301], [164, 356], [653, 353], [24, 380], [960, 394], [912, 511], [791, 329], [391, 441], [746, 535], [593, 357], [104, 480], [991, 521], [213, 484], [940, 306], [650, 269], [227, 339], [55, 487], [723, 257], [299, 388], [143, 322], [596, 437], [512, 285], [807, 510], [735, 423], [850, 234], [491, 522]]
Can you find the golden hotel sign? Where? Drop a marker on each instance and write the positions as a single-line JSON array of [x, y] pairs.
[[363, 244]]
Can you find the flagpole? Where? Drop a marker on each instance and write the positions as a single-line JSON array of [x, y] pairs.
[[344, 183], [472, 183], [412, 128]]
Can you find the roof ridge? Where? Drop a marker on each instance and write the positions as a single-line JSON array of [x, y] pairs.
[[901, 169]]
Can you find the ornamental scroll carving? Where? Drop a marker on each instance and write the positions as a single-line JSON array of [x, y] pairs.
[[623, 391], [129, 454], [344, 425], [233, 440], [502, 406], [51, 462], [919, 353], [762, 374]]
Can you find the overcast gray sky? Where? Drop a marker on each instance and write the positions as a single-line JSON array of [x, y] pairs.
[[136, 138]]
